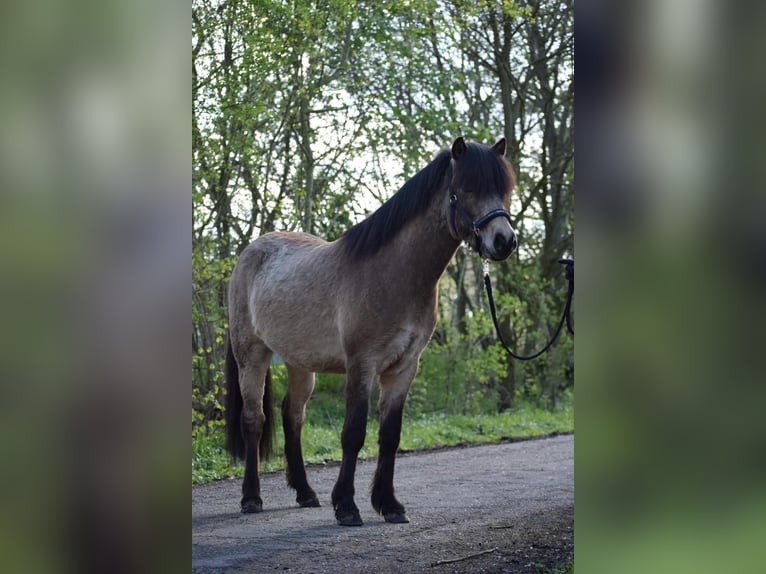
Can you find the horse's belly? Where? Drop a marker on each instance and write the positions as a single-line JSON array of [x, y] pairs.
[[316, 362], [308, 347]]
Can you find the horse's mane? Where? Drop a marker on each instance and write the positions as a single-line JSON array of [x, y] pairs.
[[412, 199]]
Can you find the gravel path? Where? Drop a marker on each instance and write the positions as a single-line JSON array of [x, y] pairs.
[[495, 508]]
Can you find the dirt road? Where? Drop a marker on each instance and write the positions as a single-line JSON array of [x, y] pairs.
[[493, 508]]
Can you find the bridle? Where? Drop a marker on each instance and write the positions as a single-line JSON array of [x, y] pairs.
[[474, 225]]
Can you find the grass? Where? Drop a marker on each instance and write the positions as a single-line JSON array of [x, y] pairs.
[[321, 437]]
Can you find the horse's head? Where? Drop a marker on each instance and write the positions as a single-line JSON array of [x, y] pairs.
[[480, 186]]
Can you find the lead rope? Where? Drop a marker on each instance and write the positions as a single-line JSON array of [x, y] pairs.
[[566, 315]]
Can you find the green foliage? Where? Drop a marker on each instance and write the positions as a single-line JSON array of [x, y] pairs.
[[529, 308], [565, 568], [304, 114], [459, 372], [209, 329], [209, 458], [465, 370]]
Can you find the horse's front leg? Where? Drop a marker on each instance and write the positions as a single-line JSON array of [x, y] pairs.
[[358, 385], [393, 392]]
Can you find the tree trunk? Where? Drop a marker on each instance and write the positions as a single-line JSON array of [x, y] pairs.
[[307, 167]]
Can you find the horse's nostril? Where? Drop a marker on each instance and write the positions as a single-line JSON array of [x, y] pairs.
[[499, 243], [504, 245]]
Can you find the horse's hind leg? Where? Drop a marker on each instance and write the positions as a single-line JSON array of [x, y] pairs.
[[252, 383], [300, 384], [393, 392]]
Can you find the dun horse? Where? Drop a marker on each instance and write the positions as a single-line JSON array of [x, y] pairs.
[[364, 305]]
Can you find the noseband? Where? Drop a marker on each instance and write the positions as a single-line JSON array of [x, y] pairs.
[[474, 225]]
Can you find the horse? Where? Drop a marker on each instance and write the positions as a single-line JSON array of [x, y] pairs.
[[365, 306]]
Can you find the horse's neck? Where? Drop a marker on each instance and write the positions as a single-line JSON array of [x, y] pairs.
[[422, 250]]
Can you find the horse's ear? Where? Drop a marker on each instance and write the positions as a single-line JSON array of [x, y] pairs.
[[458, 148], [499, 147]]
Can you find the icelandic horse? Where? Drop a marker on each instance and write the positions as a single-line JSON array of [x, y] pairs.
[[364, 305]]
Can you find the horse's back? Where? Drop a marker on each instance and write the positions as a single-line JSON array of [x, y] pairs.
[[276, 253], [279, 243]]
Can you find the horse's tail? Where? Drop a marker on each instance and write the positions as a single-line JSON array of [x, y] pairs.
[[235, 442], [266, 448]]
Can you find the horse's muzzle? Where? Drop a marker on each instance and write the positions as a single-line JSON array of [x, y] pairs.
[[502, 246]]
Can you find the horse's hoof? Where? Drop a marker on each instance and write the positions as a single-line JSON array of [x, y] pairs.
[[252, 506], [310, 502], [348, 518], [396, 518]]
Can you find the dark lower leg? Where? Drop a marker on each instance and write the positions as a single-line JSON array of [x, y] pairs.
[[252, 376], [294, 467], [352, 440], [251, 486], [383, 499]]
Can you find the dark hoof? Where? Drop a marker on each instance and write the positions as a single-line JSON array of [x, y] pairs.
[[309, 502], [252, 506], [348, 518], [396, 518]]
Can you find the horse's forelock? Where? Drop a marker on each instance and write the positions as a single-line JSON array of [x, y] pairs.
[[485, 170]]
